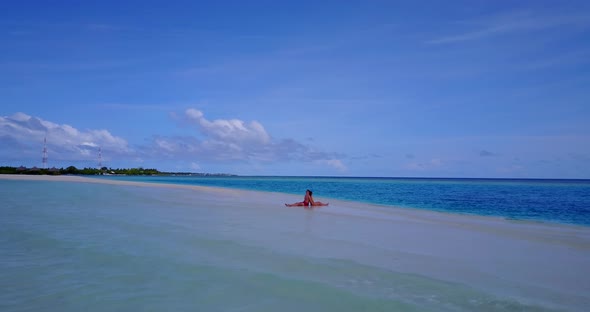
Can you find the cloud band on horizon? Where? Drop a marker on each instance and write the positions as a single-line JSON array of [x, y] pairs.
[[216, 141]]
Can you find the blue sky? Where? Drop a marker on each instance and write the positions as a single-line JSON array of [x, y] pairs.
[[339, 88]]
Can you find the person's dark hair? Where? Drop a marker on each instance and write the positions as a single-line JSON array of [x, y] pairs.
[[310, 192]]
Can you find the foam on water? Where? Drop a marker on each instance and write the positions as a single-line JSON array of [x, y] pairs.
[[72, 247]]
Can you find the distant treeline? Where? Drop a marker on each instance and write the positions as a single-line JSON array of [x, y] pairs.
[[101, 171], [74, 170]]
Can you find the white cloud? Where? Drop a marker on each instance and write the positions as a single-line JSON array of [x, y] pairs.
[[25, 134], [90, 144], [224, 140], [337, 164], [165, 145], [514, 22], [213, 141], [19, 117], [232, 130], [195, 166]]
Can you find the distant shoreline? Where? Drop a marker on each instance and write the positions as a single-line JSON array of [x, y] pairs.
[[89, 171]]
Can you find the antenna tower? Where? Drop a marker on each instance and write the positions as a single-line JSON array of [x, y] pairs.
[[99, 157], [45, 153]]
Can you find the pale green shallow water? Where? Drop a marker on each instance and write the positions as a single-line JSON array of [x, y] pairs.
[[92, 247]]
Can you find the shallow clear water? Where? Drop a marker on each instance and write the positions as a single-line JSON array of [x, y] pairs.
[[98, 247], [562, 201]]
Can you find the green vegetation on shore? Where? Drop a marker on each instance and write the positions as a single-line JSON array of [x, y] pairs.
[[95, 171]]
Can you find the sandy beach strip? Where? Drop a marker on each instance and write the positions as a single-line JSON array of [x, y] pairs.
[[574, 235], [85, 179], [532, 261]]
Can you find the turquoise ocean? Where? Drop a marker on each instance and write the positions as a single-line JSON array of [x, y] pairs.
[[561, 201], [100, 247]]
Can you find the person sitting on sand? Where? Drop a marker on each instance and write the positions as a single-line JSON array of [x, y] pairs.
[[315, 203], [308, 201], [305, 202]]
